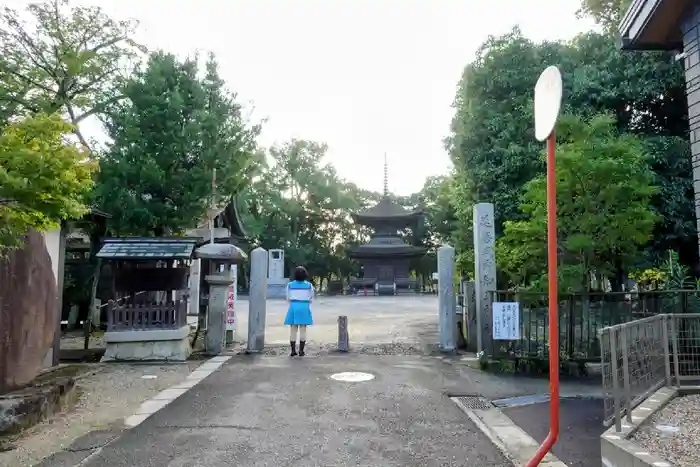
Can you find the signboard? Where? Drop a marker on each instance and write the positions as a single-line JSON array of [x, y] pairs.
[[232, 294], [506, 321]]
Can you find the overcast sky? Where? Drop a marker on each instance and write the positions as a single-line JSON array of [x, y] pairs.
[[364, 76]]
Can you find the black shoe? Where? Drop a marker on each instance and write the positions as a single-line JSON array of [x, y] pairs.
[[302, 344], [294, 348]]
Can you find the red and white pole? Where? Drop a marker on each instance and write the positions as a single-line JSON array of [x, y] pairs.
[[548, 93]]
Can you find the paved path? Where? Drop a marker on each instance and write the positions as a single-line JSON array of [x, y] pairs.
[[277, 411]]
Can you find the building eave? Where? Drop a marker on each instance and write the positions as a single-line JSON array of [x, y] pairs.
[[650, 24]]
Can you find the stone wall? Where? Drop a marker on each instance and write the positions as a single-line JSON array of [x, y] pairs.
[[691, 48], [28, 312]]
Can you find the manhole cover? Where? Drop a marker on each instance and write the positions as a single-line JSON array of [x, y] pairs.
[[475, 402], [352, 377]]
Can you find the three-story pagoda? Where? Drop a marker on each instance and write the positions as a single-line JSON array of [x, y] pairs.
[[385, 260]]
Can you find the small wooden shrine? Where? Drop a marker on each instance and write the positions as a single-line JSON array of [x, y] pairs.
[[147, 315]]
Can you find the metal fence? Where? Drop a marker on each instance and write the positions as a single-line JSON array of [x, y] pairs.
[[581, 316], [641, 356]]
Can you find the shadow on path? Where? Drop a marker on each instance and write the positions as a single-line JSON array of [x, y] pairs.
[[581, 425]]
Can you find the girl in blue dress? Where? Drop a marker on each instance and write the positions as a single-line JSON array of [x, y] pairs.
[[300, 294]]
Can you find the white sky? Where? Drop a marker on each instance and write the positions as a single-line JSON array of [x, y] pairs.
[[365, 76]]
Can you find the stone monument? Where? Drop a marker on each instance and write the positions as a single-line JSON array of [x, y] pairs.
[[484, 271], [276, 282]]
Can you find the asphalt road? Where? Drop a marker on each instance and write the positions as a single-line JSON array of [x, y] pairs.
[[277, 411], [581, 424]]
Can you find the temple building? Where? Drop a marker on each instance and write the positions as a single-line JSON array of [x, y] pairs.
[[386, 258]]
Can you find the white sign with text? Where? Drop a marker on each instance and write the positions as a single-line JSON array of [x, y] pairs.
[[506, 321]]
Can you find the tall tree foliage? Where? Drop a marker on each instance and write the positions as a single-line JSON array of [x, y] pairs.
[[168, 135], [604, 189], [607, 13], [58, 58], [492, 142], [300, 204]]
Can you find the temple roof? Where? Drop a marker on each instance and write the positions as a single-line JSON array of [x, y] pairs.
[[386, 208], [227, 217]]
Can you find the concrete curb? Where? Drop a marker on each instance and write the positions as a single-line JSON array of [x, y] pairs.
[[165, 397], [513, 441], [616, 448]]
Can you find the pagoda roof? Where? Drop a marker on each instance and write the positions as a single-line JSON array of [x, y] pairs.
[[376, 251], [386, 208]]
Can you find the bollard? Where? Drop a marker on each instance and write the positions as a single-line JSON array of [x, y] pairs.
[[343, 336]]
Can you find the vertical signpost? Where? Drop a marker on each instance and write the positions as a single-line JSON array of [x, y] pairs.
[[548, 93], [231, 306]]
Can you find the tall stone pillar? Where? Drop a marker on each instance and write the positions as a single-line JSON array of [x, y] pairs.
[[484, 272], [447, 307], [257, 307], [691, 47]]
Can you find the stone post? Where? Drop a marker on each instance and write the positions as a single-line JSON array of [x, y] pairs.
[[447, 307], [215, 340], [343, 336], [484, 272], [257, 301]]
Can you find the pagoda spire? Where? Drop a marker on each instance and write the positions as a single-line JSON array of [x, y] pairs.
[[386, 178]]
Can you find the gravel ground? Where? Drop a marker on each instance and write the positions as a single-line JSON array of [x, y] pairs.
[[114, 392], [396, 348], [673, 433]]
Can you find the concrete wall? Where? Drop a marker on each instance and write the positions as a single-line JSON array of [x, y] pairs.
[[691, 33]]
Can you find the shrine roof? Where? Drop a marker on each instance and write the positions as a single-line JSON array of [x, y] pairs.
[[147, 248]]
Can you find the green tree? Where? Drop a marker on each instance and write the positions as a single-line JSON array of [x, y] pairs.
[[61, 58], [604, 189], [43, 179], [607, 13], [493, 147], [302, 205], [168, 135]]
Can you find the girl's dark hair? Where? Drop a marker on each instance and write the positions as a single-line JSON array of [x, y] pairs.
[[300, 274]]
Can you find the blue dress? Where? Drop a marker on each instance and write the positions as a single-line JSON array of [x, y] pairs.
[[299, 294]]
